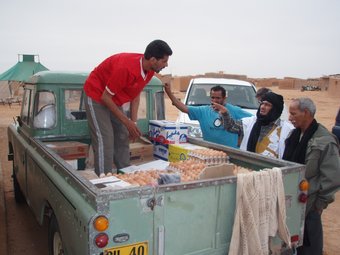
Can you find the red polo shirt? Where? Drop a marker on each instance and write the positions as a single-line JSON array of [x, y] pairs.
[[121, 75]]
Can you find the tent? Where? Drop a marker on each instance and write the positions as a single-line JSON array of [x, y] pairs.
[[25, 68], [11, 80]]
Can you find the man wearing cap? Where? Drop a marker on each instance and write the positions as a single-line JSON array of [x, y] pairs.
[[264, 133]]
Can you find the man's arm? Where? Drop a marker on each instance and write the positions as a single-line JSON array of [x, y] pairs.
[[231, 125], [179, 105], [134, 108], [329, 168], [130, 125]]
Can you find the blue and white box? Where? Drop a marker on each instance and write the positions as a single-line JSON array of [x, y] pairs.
[[160, 150], [168, 132]]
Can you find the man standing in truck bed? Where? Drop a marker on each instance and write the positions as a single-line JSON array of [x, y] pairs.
[[119, 79]]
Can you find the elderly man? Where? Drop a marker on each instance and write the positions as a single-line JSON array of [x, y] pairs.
[[264, 133], [312, 144], [209, 118]]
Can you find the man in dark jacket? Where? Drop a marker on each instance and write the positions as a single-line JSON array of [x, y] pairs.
[[312, 144]]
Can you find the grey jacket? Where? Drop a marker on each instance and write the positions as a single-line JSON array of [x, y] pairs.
[[322, 169]]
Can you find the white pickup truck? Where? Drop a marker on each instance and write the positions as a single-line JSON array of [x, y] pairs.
[[240, 93]]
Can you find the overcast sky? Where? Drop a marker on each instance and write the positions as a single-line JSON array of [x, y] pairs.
[[258, 38]]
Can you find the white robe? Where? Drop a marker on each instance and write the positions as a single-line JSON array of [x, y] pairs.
[[277, 143]]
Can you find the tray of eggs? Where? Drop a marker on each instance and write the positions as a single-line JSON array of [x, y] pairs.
[[184, 171], [208, 156], [188, 170]]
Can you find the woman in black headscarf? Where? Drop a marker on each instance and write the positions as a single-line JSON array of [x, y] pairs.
[[264, 133]]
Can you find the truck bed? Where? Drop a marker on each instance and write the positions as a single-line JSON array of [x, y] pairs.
[[220, 192], [169, 218]]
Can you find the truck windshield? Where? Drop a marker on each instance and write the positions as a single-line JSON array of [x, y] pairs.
[[242, 96]]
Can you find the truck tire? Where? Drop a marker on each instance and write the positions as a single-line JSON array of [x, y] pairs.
[[55, 244], [18, 195]]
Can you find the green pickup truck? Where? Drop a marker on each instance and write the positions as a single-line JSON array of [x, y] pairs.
[[193, 217]]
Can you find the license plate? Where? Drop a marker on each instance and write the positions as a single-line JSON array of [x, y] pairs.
[[131, 249]]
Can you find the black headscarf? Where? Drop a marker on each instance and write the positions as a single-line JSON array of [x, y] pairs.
[[295, 149], [262, 120]]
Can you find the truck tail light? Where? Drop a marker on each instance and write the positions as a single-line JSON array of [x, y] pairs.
[[294, 239], [101, 223], [303, 197], [304, 185], [101, 240]]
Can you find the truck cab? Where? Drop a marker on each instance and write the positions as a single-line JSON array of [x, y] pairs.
[[53, 106]]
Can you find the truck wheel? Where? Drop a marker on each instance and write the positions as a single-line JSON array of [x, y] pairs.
[[55, 244], [18, 195]]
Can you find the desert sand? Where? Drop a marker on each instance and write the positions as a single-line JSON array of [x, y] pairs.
[[327, 107]]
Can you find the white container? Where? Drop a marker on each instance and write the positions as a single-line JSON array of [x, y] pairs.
[[168, 132]]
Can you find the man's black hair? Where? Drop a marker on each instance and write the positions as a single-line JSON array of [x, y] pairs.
[[219, 88], [157, 49], [260, 92]]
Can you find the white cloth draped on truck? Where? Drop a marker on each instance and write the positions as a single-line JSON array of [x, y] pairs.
[[260, 212]]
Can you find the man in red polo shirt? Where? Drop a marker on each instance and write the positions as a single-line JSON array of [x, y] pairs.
[[119, 79]]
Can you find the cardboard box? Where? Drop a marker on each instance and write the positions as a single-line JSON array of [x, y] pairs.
[[161, 151], [73, 163], [141, 150], [217, 171], [179, 152], [69, 150], [168, 132]]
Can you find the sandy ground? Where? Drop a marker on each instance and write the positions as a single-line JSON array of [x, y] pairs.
[[327, 107]]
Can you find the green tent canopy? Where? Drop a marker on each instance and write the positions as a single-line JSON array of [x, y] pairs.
[[25, 68]]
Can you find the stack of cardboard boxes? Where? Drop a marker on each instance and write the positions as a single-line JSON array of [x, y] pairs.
[[170, 140]]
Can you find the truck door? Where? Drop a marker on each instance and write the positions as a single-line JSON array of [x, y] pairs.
[[193, 221], [20, 147]]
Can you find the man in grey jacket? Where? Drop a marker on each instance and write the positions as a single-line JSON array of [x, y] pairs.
[[312, 144]]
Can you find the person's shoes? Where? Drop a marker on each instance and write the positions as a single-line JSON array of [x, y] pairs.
[[102, 175], [109, 174]]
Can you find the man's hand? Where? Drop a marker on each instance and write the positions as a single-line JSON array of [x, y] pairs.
[[179, 105], [133, 130], [218, 107]]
